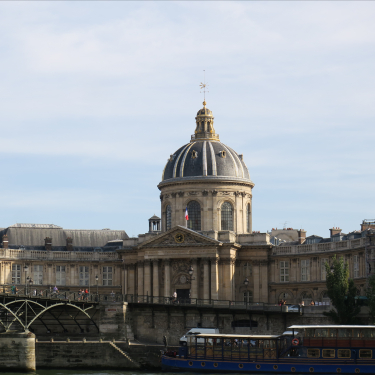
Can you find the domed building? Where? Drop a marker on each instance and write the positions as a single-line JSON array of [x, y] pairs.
[[213, 255], [210, 180]]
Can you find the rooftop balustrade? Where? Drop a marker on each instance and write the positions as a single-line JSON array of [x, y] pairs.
[[320, 247], [58, 255]]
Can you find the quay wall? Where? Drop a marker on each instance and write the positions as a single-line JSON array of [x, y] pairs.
[[150, 324], [96, 355], [17, 351]]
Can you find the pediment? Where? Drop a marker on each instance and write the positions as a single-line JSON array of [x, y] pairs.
[[190, 238]]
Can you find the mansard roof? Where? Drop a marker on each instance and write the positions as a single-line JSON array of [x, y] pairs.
[[34, 235]]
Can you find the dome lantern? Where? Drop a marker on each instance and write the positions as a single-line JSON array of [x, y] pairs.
[[205, 125]]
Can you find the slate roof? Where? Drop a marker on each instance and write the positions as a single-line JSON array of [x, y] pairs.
[[30, 235]]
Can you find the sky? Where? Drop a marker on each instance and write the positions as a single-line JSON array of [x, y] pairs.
[[95, 96]]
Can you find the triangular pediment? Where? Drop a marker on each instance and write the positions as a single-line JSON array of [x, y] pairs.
[[179, 236]]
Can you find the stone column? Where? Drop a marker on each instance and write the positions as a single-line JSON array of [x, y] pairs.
[[167, 278], [264, 280], [147, 278], [206, 281], [131, 278], [155, 269], [214, 279], [215, 213], [227, 279], [140, 278], [126, 279], [194, 281], [256, 293]]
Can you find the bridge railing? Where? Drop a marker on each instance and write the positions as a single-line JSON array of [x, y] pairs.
[[66, 295]]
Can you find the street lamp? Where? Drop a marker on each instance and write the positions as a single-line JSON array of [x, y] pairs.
[[190, 272], [97, 279], [246, 282], [26, 268], [332, 269]]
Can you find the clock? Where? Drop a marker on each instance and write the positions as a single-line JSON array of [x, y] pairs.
[[179, 238]]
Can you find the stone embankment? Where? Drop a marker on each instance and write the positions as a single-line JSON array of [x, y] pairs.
[[97, 355]]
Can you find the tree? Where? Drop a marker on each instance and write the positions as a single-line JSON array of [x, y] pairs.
[[370, 294], [342, 292]]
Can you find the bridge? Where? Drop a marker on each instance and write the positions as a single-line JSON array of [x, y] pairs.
[[21, 311]]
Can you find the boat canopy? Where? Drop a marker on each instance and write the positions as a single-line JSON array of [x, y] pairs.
[[251, 337], [331, 326]]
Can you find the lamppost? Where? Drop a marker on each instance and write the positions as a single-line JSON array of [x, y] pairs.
[[246, 283], [26, 268], [332, 269]]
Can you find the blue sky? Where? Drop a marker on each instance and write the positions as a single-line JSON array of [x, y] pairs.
[[95, 96]]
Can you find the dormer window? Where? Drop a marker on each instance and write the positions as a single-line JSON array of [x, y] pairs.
[[223, 154], [194, 154]]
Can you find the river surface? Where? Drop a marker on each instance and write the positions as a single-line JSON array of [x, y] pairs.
[[115, 372]]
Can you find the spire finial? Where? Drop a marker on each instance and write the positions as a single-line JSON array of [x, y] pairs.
[[203, 87]]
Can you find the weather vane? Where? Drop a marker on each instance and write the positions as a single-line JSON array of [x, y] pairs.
[[204, 85]]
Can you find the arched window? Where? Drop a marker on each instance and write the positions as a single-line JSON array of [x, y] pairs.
[[226, 216], [248, 297], [168, 217], [248, 213], [194, 212]]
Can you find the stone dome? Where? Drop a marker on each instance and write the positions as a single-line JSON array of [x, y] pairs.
[[205, 156]]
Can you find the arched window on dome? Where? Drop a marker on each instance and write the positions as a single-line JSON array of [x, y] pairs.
[[194, 212], [248, 213], [168, 217], [226, 216]]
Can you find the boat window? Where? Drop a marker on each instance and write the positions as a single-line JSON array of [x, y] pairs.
[[328, 353], [344, 332], [332, 332], [357, 333], [365, 353], [309, 332], [313, 353], [343, 353], [369, 332], [321, 332]]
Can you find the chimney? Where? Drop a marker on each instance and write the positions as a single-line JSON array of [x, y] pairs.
[[69, 244], [5, 241], [48, 243], [335, 230], [301, 236]]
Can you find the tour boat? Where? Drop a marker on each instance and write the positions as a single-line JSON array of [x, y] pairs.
[[322, 349]]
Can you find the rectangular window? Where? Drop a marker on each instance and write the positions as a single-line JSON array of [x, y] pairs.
[[16, 274], [284, 271], [38, 274], [313, 353], [107, 275], [60, 275], [343, 353], [247, 269], [356, 265], [83, 276], [305, 270], [323, 272], [365, 353], [328, 353]]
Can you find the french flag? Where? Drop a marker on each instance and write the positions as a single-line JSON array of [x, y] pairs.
[[186, 214]]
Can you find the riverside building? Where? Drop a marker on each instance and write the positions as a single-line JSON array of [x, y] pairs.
[[215, 255]]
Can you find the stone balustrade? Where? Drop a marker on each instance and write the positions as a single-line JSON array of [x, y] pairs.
[[58, 255], [320, 247]]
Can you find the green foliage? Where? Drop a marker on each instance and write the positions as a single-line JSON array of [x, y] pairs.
[[342, 292], [370, 294]]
